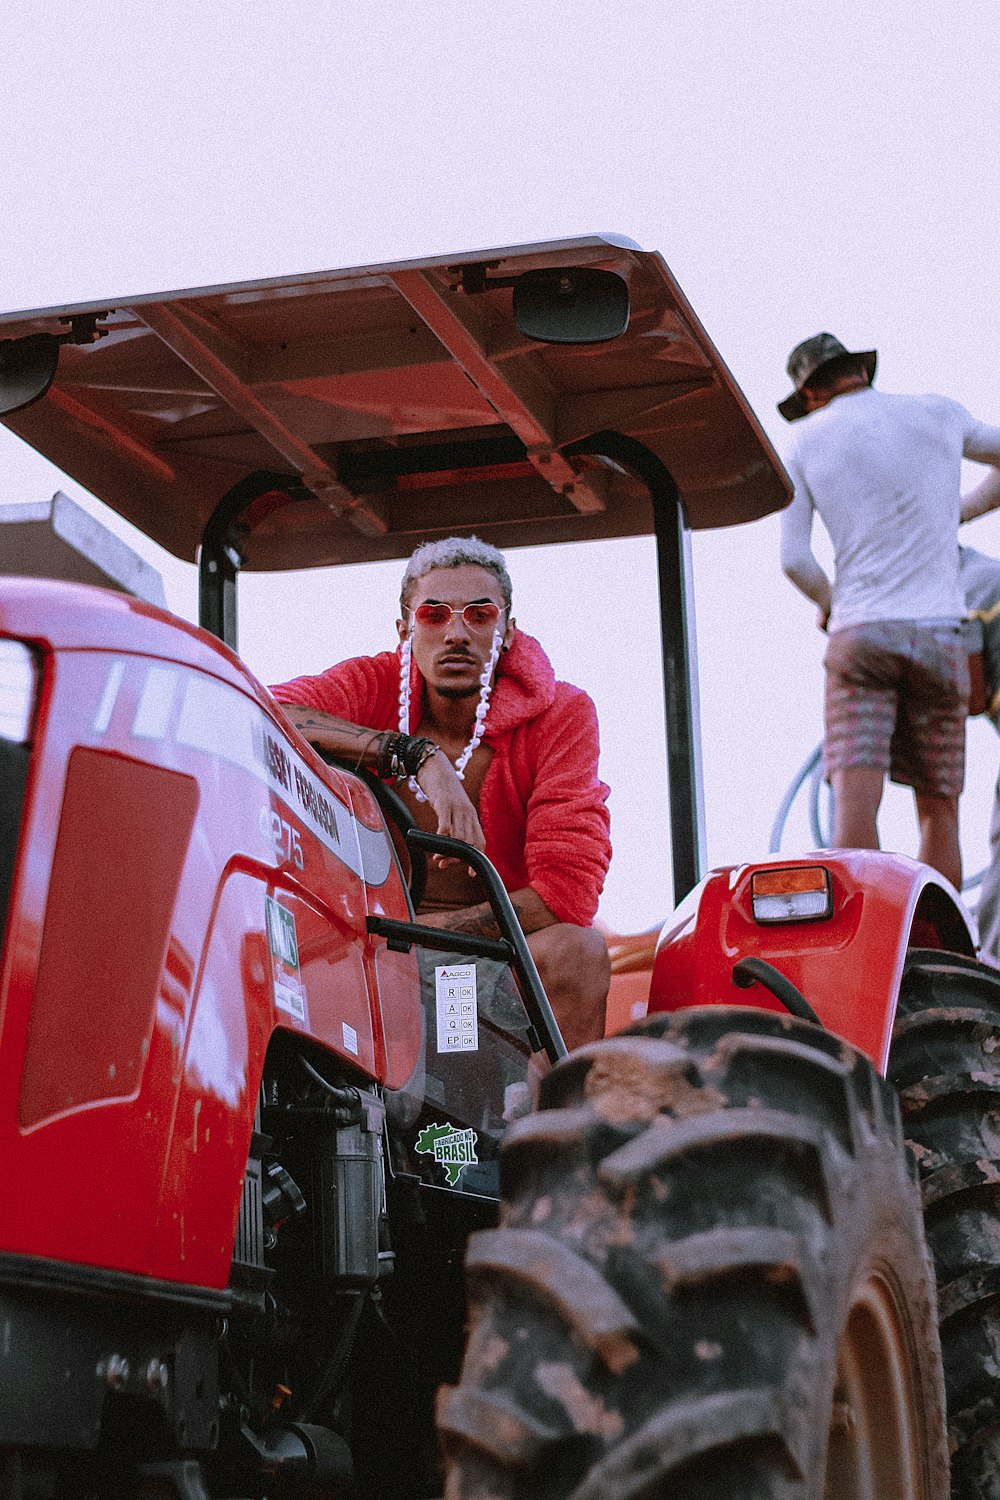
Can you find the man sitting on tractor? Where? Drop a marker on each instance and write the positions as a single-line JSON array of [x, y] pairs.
[[484, 744]]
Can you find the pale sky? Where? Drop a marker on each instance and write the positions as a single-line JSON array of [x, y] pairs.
[[799, 168]]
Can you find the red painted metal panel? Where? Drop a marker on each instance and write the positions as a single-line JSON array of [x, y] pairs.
[[400, 1011], [848, 967], [188, 392], [147, 1172], [215, 1050], [109, 904]]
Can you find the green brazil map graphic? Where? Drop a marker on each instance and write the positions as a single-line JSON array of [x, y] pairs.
[[452, 1149]]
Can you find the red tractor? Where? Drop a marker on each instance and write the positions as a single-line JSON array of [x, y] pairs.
[[244, 1162]]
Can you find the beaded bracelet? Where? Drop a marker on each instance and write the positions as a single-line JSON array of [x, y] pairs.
[[402, 755]]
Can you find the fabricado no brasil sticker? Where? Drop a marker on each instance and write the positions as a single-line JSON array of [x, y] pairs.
[[452, 1149]]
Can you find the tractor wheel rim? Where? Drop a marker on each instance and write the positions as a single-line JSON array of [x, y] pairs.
[[875, 1446]]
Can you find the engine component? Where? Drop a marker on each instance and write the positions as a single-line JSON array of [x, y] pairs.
[[348, 1197]]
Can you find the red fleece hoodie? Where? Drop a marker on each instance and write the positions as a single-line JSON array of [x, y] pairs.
[[542, 807]]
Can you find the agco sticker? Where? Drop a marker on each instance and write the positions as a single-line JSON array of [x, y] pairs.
[[452, 1149], [457, 1015]]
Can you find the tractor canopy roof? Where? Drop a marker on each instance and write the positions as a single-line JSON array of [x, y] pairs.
[[391, 404]]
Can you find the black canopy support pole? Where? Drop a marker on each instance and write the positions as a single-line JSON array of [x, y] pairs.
[[219, 558], [680, 674], [680, 688], [217, 593]]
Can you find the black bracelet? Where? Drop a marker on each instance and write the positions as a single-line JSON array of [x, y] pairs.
[[417, 752], [387, 763], [402, 755]]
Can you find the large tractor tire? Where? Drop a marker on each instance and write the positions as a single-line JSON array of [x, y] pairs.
[[945, 1062], [709, 1280]]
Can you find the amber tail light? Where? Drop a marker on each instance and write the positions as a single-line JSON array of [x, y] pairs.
[[803, 894]]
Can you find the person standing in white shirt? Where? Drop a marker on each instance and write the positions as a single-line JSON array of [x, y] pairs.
[[883, 473]]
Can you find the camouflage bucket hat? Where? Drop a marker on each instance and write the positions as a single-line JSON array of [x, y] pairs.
[[821, 352]]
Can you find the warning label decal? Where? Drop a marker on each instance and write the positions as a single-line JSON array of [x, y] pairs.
[[289, 991]]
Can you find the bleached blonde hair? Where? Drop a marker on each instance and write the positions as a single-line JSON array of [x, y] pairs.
[[455, 552], [452, 552]]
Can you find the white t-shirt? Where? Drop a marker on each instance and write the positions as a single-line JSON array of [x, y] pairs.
[[884, 474]]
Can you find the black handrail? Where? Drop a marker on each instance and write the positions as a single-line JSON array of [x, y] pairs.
[[220, 557], [677, 639], [511, 948]]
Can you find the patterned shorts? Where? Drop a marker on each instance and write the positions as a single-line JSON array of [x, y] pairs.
[[897, 694]]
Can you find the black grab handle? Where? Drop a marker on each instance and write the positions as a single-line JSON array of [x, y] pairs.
[[511, 948]]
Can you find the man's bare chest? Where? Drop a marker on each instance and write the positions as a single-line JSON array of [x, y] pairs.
[[453, 887]]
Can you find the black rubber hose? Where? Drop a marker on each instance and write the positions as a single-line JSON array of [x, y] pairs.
[[758, 971]]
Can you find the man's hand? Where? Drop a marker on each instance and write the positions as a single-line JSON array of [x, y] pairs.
[[457, 818], [797, 560]]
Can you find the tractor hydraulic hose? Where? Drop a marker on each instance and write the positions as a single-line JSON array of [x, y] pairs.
[[333, 1375], [750, 971], [809, 772], [347, 1109]]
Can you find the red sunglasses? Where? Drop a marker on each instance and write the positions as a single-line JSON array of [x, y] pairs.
[[479, 617]]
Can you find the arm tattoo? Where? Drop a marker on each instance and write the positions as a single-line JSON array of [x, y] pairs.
[[478, 920], [529, 908], [338, 736], [305, 719]]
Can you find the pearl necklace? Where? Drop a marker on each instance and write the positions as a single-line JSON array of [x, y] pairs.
[[482, 707]]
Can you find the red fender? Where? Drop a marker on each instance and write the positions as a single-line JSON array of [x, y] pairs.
[[848, 966]]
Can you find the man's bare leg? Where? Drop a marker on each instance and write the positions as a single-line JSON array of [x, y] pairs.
[[939, 847], [857, 795], [575, 969]]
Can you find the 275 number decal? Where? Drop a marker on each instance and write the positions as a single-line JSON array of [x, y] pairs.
[[283, 837]]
